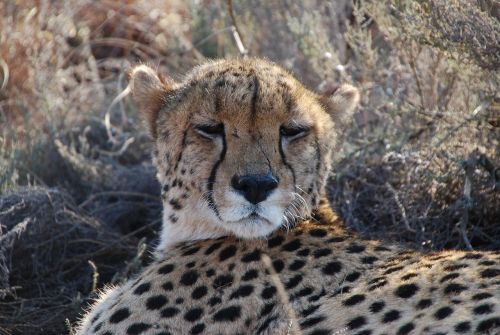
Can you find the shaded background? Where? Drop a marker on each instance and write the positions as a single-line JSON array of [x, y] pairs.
[[79, 205]]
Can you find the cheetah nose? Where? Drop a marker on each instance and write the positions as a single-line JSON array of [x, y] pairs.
[[255, 187]]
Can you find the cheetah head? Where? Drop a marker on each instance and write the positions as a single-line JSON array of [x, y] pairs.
[[241, 147]]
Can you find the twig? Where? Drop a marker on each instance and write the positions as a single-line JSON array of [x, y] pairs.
[[411, 58], [107, 116], [467, 201], [236, 31], [95, 275], [400, 206], [5, 71]]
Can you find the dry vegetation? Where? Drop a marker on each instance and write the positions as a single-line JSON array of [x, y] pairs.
[[79, 206]]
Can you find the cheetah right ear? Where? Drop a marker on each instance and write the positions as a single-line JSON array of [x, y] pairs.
[[341, 102], [149, 92]]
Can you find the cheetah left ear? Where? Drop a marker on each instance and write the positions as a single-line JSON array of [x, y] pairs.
[[340, 104], [149, 92]]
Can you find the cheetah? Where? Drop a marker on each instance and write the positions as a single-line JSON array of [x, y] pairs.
[[249, 243]]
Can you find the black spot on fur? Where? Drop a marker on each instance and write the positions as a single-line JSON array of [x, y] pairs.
[[294, 281], [332, 268], [462, 327], [443, 313], [266, 324], [369, 259], [169, 312], [168, 286], [454, 288], [242, 291], [303, 252], [268, 308], [166, 269], [98, 327], [222, 281], [406, 329], [142, 288], [119, 315], [355, 248], [296, 265], [193, 314], [268, 292], [472, 256], [227, 252], [363, 332], [406, 291], [318, 232], [488, 324], [275, 241], [357, 322], [353, 300], [409, 276], [230, 313], [250, 274], [188, 278], [392, 269], [455, 267], [191, 251], [490, 273], [278, 265], [449, 276], [307, 323], [424, 303], [481, 296], [212, 248], [292, 246], [377, 306], [156, 302], [253, 256], [390, 316], [197, 329], [175, 204], [137, 328], [321, 252], [353, 276], [304, 292], [483, 309], [199, 292], [214, 301], [309, 310]]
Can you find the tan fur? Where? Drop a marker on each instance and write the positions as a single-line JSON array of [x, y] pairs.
[[212, 273]]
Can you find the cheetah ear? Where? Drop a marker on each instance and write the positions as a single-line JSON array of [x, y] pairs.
[[149, 92], [341, 103]]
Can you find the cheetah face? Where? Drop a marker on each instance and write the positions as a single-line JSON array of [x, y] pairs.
[[241, 145]]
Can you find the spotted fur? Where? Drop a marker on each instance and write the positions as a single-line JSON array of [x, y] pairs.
[[280, 265]]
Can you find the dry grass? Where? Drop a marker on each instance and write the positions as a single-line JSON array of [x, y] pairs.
[[420, 165]]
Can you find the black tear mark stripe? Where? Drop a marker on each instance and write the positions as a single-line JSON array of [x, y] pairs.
[[255, 95], [283, 159], [183, 146], [213, 174]]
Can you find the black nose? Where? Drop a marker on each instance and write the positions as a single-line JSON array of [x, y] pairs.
[[255, 187]]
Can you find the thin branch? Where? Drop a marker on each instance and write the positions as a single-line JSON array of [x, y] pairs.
[[236, 31], [401, 207], [5, 73], [467, 202]]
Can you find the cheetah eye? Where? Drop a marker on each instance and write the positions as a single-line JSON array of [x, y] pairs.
[[210, 131], [293, 132]]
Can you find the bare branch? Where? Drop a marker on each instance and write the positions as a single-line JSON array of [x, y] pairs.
[[236, 31]]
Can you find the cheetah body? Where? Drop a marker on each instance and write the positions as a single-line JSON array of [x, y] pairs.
[[286, 265]]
